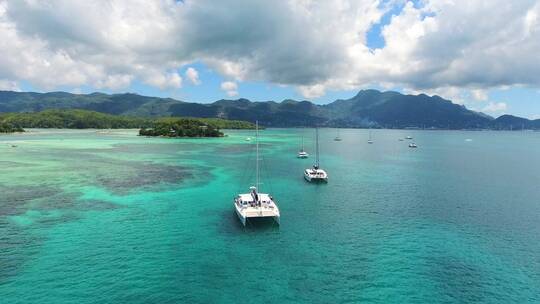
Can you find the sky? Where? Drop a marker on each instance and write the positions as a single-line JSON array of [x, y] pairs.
[[482, 54]]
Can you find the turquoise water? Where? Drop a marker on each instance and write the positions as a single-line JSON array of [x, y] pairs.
[[109, 217]]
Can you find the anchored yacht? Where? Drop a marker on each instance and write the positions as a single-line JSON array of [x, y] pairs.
[[316, 174], [254, 204], [302, 153], [337, 138]]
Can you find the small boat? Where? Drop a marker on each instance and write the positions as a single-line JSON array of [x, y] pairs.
[[370, 141], [413, 145], [316, 174], [401, 139], [337, 138], [14, 146], [248, 138], [302, 153], [408, 137], [256, 205]]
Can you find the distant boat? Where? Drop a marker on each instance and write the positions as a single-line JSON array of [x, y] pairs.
[[248, 138], [302, 153], [316, 174], [254, 204], [370, 141], [337, 138], [413, 145], [401, 139], [408, 137]]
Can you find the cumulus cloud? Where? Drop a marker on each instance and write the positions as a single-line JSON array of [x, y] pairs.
[[312, 91], [479, 95], [230, 87], [193, 76], [8, 85], [114, 82], [164, 80], [495, 107], [314, 46]]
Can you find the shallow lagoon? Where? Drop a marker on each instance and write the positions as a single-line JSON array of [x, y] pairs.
[[90, 217]]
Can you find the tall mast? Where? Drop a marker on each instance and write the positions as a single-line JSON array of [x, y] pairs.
[[302, 143], [317, 146], [257, 161]]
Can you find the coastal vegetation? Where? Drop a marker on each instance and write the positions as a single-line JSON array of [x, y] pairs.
[[83, 119], [73, 119], [220, 123], [9, 128]]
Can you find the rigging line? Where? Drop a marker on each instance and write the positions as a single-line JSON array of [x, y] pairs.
[[266, 173], [245, 178]]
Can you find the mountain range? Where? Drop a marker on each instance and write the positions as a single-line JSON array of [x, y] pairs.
[[369, 108]]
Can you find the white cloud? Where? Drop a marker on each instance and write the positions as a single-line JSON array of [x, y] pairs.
[[230, 87], [193, 76], [114, 82], [315, 46], [495, 108], [164, 80], [479, 95], [313, 91], [8, 85]]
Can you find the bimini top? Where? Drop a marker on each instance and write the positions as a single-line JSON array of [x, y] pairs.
[[248, 197]]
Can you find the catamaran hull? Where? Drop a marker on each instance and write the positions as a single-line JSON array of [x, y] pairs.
[[316, 179], [241, 217], [255, 221], [257, 216]]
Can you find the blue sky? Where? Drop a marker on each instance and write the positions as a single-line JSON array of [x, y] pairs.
[[475, 54]]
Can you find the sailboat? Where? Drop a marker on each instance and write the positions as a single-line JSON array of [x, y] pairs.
[[316, 174], [370, 141], [302, 153], [337, 138], [254, 204]]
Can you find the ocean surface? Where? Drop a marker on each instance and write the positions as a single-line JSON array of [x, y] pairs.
[[109, 217]]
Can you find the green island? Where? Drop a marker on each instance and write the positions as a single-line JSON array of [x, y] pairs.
[[181, 127], [193, 127], [84, 119]]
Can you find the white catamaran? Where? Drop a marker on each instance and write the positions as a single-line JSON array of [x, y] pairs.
[[254, 204], [316, 174]]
